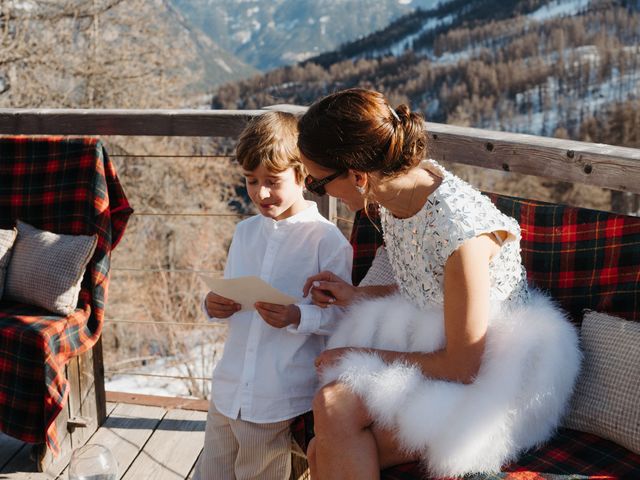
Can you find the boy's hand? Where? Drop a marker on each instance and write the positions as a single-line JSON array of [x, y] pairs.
[[220, 307], [279, 316]]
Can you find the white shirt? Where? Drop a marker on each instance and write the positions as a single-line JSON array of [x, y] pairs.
[[267, 374]]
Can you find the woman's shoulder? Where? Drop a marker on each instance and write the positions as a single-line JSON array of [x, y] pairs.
[[459, 211]]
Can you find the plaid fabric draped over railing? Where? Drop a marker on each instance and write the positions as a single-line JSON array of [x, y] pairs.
[[585, 259], [66, 186]]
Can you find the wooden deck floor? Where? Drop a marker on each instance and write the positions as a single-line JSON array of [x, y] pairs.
[[149, 442]]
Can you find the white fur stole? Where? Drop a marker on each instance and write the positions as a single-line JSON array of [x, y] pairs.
[[525, 380]]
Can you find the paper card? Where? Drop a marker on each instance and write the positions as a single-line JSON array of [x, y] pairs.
[[247, 291]]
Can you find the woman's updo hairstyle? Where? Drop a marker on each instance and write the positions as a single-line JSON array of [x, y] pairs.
[[357, 129]]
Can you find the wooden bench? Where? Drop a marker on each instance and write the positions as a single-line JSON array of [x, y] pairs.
[[585, 259]]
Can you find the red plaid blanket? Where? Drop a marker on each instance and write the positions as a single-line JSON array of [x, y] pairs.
[[67, 186], [586, 259], [366, 237]]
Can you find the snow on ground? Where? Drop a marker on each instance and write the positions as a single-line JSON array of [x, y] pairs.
[[198, 363], [223, 65], [398, 48], [559, 8]]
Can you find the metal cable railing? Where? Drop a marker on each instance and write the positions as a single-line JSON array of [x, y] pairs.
[[162, 322], [158, 375], [190, 214], [165, 270]]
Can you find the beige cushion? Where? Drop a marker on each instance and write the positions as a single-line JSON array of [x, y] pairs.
[[605, 401], [46, 269], [7, 238]]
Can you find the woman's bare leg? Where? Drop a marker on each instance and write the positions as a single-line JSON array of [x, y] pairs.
[[345, 447], [346, 444], [311, 458], [389, 451]]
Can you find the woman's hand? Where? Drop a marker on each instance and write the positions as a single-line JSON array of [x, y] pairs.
[[279, 316], [220, 307], [329, 289], [330, 357]]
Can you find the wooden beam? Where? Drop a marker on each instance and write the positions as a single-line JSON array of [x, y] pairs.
[[607, 166], [617, 168], [158, 401], [179, 123]]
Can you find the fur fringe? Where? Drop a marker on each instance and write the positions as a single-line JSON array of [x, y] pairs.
[[529, 367]]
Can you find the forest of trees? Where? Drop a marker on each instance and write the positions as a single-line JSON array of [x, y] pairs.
[[503, 70]]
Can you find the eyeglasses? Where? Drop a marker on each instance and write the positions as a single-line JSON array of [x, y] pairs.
[[317, 186]]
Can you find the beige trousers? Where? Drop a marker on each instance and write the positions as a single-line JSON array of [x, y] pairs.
[[241, 450]]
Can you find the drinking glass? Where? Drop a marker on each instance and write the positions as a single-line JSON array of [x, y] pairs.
[[93, 462]]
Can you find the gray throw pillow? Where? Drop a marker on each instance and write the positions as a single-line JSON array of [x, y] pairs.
[[46, 268], [605, 401], [7, 238]]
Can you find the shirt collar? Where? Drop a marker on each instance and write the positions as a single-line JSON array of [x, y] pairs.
[[309, 213]]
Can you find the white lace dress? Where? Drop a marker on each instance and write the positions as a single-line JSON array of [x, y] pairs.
[[531, 356]]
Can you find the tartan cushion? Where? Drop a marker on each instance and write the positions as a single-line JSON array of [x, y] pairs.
[[66, 186], [46, 268], [366, 237], [585, 259]]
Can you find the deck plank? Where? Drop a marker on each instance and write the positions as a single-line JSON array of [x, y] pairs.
[[193, 469], [173, 448], [125, 432]]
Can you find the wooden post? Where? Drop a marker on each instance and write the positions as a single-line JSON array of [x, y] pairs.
[[85, 410]]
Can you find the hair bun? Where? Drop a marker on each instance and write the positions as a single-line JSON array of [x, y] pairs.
[[409, 144], [403, 112]]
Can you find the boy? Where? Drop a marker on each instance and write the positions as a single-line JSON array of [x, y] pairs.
[[266, 376]]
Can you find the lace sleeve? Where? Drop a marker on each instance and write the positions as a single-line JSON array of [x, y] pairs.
[[470, 214]]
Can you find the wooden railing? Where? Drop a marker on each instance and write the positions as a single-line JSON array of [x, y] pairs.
[[607, 166]]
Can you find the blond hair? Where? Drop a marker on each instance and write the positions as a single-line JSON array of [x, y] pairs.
[[271, 140]]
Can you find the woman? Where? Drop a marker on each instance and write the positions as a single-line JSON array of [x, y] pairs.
[[464, 367]]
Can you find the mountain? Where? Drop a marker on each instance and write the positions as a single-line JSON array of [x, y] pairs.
[[565, 68], [272, 33], [219, 65]]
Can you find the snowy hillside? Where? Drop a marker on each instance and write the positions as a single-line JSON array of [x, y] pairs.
[[268, 33]]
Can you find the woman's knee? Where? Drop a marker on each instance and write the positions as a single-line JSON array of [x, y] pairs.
[[311, 452], [337, 404]]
